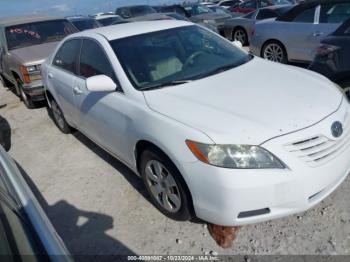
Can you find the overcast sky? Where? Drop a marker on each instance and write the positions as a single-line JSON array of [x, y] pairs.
[[67, 7]]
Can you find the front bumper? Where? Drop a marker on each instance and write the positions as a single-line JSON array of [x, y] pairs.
[[233, 197], [35, 90]]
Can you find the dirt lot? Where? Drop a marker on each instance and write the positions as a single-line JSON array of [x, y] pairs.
[[98, 206]]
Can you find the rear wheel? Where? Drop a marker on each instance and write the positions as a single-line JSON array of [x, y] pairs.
[[58, 118], [165, 185], [239, 34], [275, 51]]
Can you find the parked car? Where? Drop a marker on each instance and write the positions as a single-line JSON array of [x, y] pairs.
[[294, 36], [249, 6], [333, 57], [221, 10], [140, 13], [160, 97], [24, 44], [229, 3], [200, 14], [106, 20], [83, 22], [25, 230], [241, 28]]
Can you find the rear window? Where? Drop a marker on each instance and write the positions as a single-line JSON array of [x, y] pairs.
[[37, 33], [85, 24], [335, 13]]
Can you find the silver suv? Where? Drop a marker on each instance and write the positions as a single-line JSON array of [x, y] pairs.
[[25, 42]]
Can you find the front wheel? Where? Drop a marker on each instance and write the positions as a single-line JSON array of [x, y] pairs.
[[275, 51], [23, 96], [165, 185], [59, 119]]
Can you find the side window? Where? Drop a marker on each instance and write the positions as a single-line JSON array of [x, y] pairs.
[[265, 14], [249, 4], [307, 16], [123, 12], [66, 57], [347, 31], [96, 64], [335, 13]]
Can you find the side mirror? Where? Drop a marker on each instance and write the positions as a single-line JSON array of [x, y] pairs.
[[100, 83], [237, 44]]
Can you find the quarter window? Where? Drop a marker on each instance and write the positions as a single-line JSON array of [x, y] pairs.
[[265, 14], [307, 16], [66, 57], [93, 61]]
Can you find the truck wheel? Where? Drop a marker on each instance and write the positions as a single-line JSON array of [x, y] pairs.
[[23, 96]]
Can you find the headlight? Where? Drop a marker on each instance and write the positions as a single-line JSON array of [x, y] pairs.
[[235, 156], [33, 69], [212, 22]]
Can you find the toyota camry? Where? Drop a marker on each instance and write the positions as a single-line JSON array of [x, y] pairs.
[[202, 122]]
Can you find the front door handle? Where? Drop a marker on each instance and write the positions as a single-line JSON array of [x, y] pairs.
[[77, 91], [318, 34], [50, 75]]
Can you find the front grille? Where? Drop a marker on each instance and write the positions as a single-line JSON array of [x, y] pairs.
[[318, 150]]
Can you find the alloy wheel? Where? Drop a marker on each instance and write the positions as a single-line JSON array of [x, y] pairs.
[[163, 186], [240, 35], [57, 114], [274, 52]]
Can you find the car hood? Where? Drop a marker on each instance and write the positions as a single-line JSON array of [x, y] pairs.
[[249, 104], [33, 55], [211, 16]]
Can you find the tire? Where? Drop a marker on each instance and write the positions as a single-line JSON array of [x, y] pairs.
[[169, 194], [58, 118], [23, 96], [274, 51], [346, 87], [240, 34]]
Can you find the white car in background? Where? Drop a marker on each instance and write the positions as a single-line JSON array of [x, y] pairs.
[[204, 124]]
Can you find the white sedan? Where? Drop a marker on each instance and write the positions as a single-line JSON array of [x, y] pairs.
[[213, 131]]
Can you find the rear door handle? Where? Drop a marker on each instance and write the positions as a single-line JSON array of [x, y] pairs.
[[77, 90]]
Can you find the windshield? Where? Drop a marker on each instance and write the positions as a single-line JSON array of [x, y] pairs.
[[85, 24], [219, 10], [175, 55], [30, 34], [141, 10], [198, 9]]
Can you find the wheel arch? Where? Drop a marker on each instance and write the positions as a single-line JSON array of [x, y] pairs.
[[145, 144]]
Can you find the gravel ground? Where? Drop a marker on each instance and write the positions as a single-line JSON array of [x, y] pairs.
[[98, 206]]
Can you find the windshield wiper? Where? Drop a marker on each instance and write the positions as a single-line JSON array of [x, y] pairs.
[[170, 83]]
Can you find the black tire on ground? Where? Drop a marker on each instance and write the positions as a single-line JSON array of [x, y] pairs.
[[26, 99], [274, 51], [58, 118], [345, 84], [243, 36], [185, 210]]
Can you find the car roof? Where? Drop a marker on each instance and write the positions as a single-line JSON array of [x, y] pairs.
[[136, 28], [78, 18], [305, 5], [26, 19], [105, 17]]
